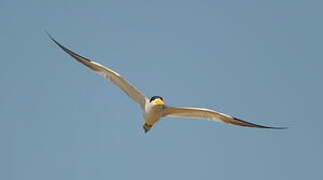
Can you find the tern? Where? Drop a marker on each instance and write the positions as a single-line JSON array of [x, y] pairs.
[[154, 108]]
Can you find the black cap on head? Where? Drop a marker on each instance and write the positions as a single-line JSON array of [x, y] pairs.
[[155, 97]]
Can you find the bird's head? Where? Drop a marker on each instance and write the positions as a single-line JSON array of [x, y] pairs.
[[157, 100]]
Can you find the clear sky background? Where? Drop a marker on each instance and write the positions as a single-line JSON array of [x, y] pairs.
[[258, 60]]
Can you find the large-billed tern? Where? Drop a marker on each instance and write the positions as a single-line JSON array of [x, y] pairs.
[[154, 108]]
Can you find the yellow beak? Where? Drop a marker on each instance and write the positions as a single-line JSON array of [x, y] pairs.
[[159, 102]]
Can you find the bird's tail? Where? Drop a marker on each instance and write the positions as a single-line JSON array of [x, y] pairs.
[[147, 127]]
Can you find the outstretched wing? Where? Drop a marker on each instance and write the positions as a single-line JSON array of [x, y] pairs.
[[199, 113], [111, 75]]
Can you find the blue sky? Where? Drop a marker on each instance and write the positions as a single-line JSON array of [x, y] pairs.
[[258, 60]]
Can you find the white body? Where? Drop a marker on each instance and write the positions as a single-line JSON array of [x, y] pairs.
[[152, 113], [154, 108]]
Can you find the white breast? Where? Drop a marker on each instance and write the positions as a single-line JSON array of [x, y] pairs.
[[152, 113]]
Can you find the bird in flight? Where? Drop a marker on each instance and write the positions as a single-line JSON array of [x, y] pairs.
[[154, 108]]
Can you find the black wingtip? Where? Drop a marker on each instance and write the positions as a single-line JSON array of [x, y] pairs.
[[276, 127], [50, 36], [57, 43], [71, 53], [258, 126]]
